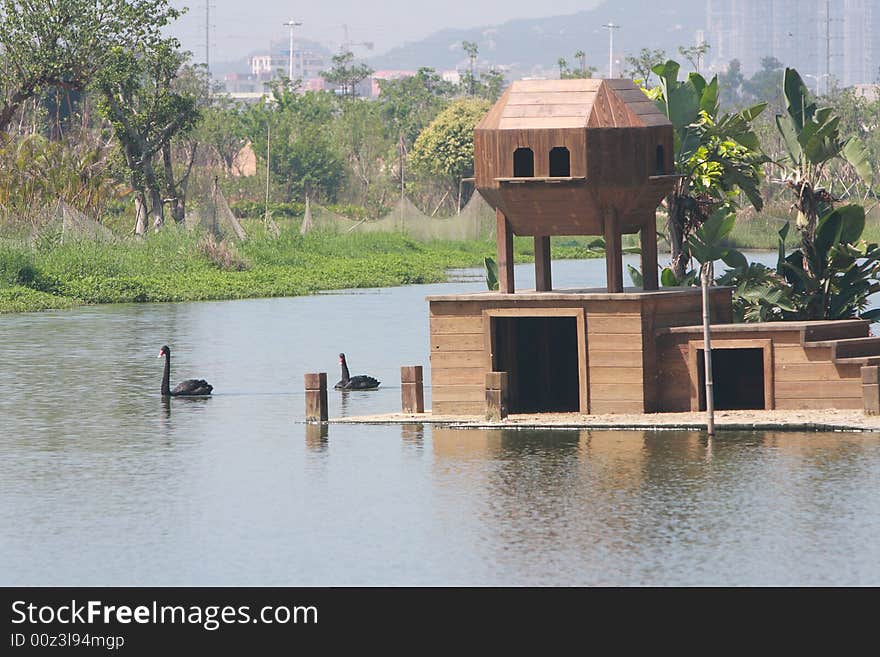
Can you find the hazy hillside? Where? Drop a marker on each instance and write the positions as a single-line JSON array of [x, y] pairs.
[[532, 45]]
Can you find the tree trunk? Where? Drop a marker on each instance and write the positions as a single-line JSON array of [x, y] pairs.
[[157, 211], [140, 211], [675, 222]]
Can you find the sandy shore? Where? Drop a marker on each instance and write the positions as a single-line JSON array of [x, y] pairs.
[[815, 420]]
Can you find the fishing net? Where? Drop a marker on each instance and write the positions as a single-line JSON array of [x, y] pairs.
[[66, 222], [475, 221], [213, 215]]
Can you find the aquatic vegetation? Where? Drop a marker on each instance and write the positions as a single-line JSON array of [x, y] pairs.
[[176, 265]]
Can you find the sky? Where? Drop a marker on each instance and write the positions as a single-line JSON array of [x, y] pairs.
[[239, 27]]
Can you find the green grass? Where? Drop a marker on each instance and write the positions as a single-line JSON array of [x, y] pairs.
[[761, 231], [173, 266]]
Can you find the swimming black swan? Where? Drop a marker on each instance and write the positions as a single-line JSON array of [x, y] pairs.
[[360, 382], [188, 388]]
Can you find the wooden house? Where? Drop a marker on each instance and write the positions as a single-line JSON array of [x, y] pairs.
[[594, 157]]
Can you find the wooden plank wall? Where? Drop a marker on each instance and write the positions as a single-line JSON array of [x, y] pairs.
[[625, 364], [804, 377], [459, 361], [614, 348]]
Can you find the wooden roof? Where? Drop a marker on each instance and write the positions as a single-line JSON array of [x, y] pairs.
[[579, 103]]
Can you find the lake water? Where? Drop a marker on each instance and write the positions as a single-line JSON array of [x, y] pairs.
[[101, 483]]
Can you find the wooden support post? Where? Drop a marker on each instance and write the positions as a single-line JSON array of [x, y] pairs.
[[543, 279], [871, 389], [497, 384], [412, 389], [504, 237], [648, 243], [613, 255], [316, 397]]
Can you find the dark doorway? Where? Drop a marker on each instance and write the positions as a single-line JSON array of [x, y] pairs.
[[541, 356], [560, 162], [737, 379], [523, 163]]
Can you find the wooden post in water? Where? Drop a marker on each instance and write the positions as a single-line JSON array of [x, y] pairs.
[[496, 395], [871, 389], [412, 389], [316, 397]]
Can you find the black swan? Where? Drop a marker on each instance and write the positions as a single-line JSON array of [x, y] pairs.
[[360, 382], [188, 388]]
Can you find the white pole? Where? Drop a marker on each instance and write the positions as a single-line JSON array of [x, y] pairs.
[[291, 24], [268, 154], [705, 274], [611, 27]]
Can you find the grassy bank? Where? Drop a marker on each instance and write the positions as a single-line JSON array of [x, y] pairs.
[[176, 265], [761, 231]]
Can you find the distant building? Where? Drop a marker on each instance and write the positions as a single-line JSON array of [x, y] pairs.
[[820, 38], [870, 92], [386, 75], [453, 77]]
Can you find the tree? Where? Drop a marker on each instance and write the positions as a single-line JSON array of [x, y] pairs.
[[730, 82], [641, 66], [304, 158], [812, 141], [411, 103], [445, 149], [64, 44], [717, 156], [221, 131], [346, 74], [694, 54], [583, 71], [146, 111], [472, 51], [563, 67], [360, 133], [765, 85]]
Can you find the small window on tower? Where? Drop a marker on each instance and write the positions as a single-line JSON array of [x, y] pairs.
[[523, 163], [560, 162], [660, 165]]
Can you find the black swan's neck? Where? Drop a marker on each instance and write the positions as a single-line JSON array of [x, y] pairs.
[[166, 376], [345, 376]]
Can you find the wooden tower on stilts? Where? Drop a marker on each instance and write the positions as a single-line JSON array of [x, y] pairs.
[[595, 157]]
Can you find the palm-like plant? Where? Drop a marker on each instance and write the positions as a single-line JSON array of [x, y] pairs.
[[812, 140], [717, 156]]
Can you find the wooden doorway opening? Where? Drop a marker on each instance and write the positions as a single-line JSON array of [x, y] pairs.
[[542, 357], [737, 379]]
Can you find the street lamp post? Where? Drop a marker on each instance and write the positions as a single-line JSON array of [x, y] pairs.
[[291, 24], [611, 27], [816, 78]]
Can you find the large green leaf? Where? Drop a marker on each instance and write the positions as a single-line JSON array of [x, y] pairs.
[[735, 259], [491, 273], [858, 156], [705, 243], [667, 278], [789, 133], [783, 233], [709, 97], [797, 98], [635, 275], [844, 224]]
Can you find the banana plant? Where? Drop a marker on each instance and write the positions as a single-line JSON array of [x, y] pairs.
[[836, 275], [717, 156], [812, 140]]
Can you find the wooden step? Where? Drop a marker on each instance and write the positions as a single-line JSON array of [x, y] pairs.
[[849, 347], [836, 330], [858, 360]]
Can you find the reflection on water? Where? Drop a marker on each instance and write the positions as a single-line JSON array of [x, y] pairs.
[[102, 482]]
